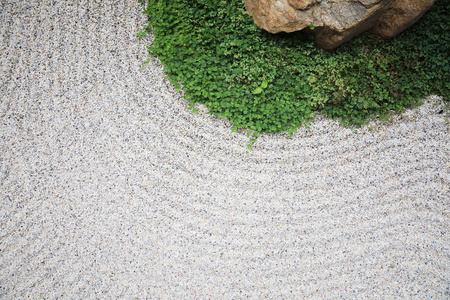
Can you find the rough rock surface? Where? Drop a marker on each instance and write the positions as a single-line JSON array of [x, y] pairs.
[[337, 21]]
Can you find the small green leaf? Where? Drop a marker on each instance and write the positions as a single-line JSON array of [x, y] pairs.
[[257, 91], [264, 84], [311, 27]]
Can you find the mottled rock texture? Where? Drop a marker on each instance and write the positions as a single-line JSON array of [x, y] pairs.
[[337, 21]]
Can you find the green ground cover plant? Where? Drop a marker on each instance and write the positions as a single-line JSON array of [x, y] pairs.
[[275, 83]]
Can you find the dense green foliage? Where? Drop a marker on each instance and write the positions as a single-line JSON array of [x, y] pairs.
[[274, 83]]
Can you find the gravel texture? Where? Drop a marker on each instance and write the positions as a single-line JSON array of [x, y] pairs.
[[111, 188]]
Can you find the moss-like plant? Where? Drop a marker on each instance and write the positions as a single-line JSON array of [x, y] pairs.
[[273, 83]]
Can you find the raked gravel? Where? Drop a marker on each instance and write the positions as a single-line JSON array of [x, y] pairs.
[[111, 188]]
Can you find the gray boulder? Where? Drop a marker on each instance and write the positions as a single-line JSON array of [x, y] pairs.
[[337, 21]]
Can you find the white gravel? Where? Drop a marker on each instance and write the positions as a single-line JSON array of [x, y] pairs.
[[111, 188]]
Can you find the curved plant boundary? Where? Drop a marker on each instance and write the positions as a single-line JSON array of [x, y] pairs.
[[274, 83]]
